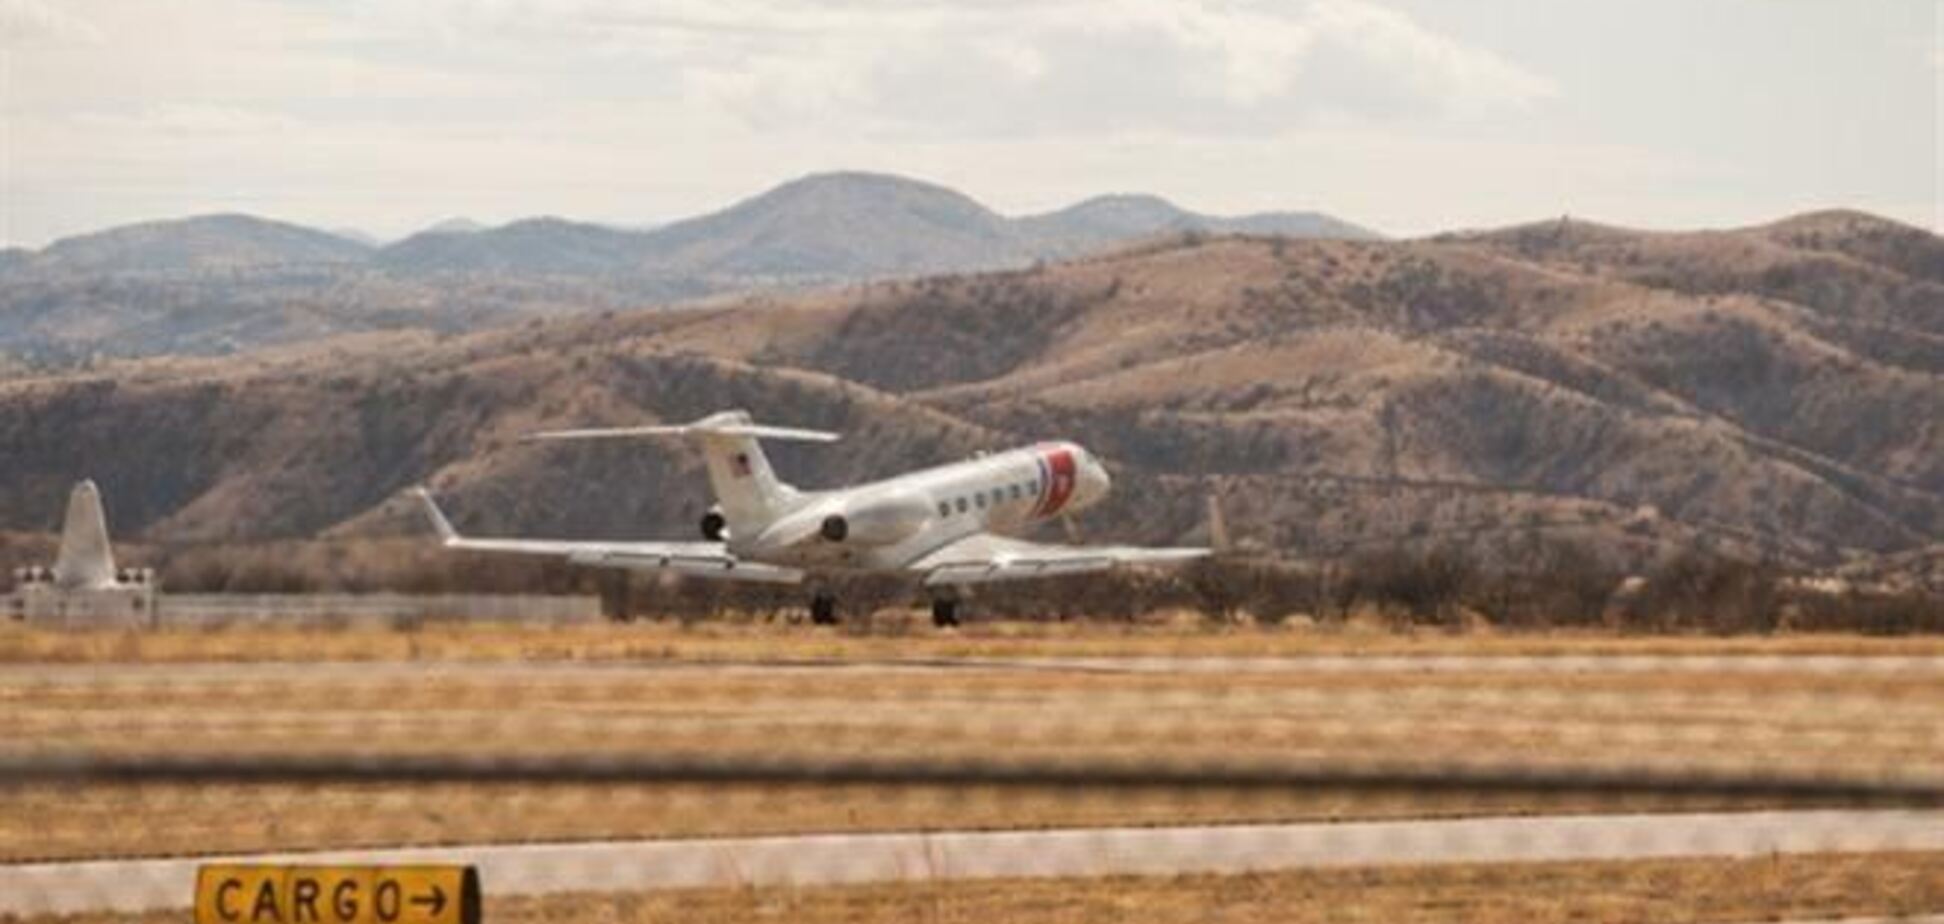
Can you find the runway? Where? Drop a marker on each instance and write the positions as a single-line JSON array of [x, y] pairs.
[[207, 672], [835, 859]]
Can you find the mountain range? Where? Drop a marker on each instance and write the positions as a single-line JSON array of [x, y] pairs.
[[220, 283], [1775, 392]]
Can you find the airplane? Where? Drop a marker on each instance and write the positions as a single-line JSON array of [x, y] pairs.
[[85, 560], [951, 527]]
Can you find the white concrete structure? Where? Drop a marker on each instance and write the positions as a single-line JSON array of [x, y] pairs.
[[373, 609], [84, 588]]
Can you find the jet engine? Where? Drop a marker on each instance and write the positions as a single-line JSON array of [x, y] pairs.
[[878, 521], [715, 527]]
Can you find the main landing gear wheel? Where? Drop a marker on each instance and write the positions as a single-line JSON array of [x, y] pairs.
[[945, 613], [823, 610]]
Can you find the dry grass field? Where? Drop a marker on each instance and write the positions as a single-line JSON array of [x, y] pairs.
[[886, 638], [1666, 892], [1689, 891], [1863, 724]]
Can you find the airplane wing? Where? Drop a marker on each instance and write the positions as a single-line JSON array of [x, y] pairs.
[[698, 559], [984, 558]]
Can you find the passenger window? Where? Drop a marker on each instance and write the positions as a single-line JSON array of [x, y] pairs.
[[961, 505], [944, 508], [1015, 492], [979, 499]]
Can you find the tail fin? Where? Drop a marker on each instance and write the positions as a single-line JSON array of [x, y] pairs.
[[440, 524], [85, 560], [747, 488]]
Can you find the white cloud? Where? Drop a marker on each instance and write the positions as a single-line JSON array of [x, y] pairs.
[[35, 20], [1460, 77], [1007, 68], [387, 114], [189, 120]]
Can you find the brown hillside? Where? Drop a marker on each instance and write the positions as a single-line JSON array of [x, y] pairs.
[[1638, 392]]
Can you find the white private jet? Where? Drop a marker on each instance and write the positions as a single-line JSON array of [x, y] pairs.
[[947, 526]]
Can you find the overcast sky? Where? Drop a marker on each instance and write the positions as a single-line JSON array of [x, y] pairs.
[[1407, 115]]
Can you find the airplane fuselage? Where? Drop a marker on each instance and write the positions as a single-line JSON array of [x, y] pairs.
[[886, 525]]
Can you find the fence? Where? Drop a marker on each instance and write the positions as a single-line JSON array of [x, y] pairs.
[[206, 610]]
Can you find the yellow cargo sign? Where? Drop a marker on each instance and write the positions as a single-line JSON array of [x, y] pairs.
[[284, 894]]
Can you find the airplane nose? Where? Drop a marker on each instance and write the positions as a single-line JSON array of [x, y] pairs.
[[1098, 481]]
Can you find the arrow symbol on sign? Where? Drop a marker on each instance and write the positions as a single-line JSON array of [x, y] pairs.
[[436, 900]]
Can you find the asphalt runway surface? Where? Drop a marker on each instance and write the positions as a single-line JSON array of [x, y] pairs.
[[1544, 665], [836, 859]]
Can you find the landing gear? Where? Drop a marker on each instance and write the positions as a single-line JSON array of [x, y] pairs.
[[945, 612], [823, 610], [617, 596]]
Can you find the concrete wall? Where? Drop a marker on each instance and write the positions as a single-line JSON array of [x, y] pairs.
[[55, 609], [366, 609], [131, 607]]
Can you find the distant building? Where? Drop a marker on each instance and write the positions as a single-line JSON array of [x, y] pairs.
[[84, 588]]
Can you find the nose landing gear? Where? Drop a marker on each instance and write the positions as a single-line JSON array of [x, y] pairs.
[[945, 612], [823, 609]]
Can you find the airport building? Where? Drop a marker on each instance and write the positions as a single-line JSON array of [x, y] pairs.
[[84, 589], [38, 600]]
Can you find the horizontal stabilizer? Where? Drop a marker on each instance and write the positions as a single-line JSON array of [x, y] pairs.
[[728, 423]]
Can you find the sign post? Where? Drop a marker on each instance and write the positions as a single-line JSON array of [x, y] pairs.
[[296, 894]]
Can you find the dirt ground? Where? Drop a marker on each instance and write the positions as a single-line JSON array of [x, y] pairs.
[[1689, 891]]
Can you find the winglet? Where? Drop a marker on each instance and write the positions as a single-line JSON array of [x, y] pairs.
[[440, 524], [1218, 533]]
